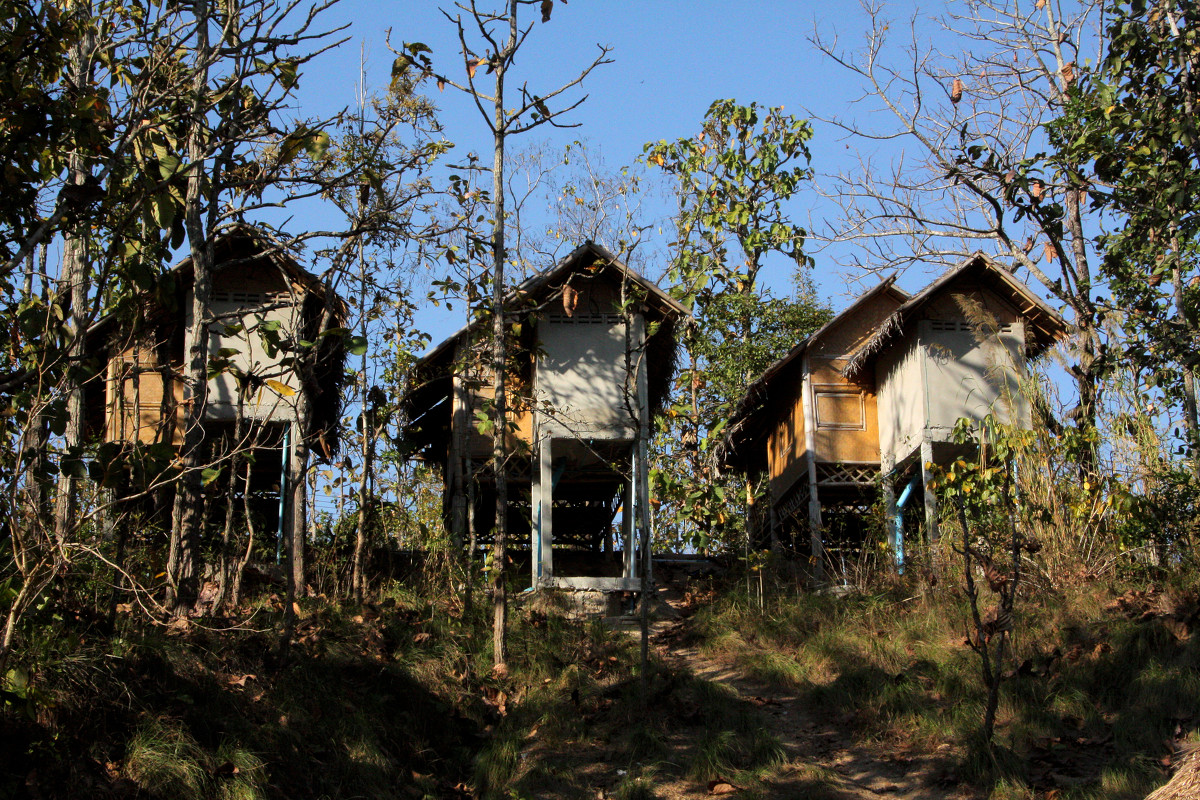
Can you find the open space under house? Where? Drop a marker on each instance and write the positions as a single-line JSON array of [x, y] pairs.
[[856, 413], [593, 355]]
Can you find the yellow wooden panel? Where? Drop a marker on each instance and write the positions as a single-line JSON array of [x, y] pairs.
[[790, 463], [836, 439], [840, 409]]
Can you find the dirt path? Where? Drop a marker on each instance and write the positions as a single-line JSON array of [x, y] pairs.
[[823, 759]]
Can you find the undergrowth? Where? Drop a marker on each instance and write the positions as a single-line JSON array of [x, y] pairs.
[[1098, 695], [397, 698], [389, 699]]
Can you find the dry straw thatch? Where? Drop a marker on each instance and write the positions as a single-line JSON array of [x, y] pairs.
[[1185, 783]]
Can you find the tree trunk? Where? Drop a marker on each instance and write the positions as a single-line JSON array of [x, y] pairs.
[[227, 559], [368, 432], [298, 510], [76, 286], [235, 581], [500, 424], [500, 354], [182, 568], [1191, 422]]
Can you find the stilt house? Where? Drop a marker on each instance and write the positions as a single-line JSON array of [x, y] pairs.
[[870, 400], [264, 305], [592, 359]]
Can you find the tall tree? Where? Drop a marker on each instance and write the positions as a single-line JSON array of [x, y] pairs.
[[967, 111], [1133, 138], [734, 180], [499, 35], [241, 74]]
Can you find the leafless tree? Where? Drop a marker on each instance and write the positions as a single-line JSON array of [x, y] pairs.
[[954, 162]]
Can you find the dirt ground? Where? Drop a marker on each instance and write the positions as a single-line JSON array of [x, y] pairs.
[[824, 760]]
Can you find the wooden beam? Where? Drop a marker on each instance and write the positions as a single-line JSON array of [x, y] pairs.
[[543, 528], [814, 501]]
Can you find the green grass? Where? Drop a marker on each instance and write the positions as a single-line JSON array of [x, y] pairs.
[[164, 760], [635, 788], [392, 700], [898, 667]]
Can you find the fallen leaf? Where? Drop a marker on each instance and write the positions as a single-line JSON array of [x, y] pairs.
[[497, 699], [423, 636], [722, 786]]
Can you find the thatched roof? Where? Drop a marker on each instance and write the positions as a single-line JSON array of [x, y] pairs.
[[1044, 325], [427, 403], [741, 448]]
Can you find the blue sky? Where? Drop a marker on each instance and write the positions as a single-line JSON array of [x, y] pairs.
[[671, 59]]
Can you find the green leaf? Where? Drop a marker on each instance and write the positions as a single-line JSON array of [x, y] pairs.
[[16, 680], [317, 145], [288, 76]]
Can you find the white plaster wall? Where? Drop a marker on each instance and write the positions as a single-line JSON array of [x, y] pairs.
[[901, 400], [252, 358], [581, 378], [969, 378]]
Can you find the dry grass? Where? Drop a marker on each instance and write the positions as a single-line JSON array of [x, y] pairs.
[[1094, 700]]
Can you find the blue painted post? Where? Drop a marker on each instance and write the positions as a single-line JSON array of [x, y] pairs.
[[898, 523], [283, 490]]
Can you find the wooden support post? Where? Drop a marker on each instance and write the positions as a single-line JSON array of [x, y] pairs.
[[814, 501], [627, 526], [773, 521], [460, 420], [543, 544]]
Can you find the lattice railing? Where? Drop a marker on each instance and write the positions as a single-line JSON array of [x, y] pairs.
[[843, 474]]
